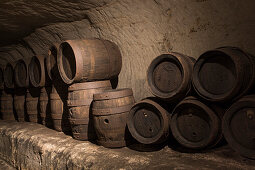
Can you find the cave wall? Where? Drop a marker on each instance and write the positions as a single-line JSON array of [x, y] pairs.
[[143, 29]]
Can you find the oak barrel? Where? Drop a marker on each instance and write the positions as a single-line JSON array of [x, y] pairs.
[[21, 73], [51, 62], [110, 110], [169, 76], [7, 105], [19, 103], [32, 104], [9, 75], [87, 60], [148, 122], [44, 105], [239, 126], [196, 125], [224, 74], [1, 78], [80, 97]]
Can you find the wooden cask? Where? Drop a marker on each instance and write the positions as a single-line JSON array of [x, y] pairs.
[[1, 77], [9, 75], [224, 74], [196, 125], [21, 75], [32, 104], [51, 62], [88, 60], [59, 110], [80, 97], [110, 110], [148, 122], [44, 105], [169, 76], [37, 72], [19, 103], [7, 105], [239, 126]]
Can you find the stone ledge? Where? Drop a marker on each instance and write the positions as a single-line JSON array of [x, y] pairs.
[[33, 146]]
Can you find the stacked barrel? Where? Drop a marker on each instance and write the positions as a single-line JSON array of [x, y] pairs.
[[199, 101]]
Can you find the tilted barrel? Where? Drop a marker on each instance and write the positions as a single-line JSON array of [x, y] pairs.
[[19, 103], [196, 125], [80, 97], [239, 126], [32, 104], [51, 62], [9, 75], [170, 76], [21, 75], [7, 105], [1, 77], [44, 109], [148, 122], [224, 74], [110, 110], [87, 60]]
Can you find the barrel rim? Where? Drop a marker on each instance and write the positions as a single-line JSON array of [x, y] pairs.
[[24, 61], [214, 119], [113, 94], [31, 65], [163, 118], [89, 85], [182, 62], [241, 103], [11, 65], [198, 86]]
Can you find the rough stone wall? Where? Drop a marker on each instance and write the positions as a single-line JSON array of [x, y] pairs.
[[143, 29]]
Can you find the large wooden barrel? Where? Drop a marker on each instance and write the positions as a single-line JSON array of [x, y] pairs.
[[87, 60], [1, 78], [21, 73], [37, 72], [59, 110], [32, 104], [7, 106], [51, 62], [239, 126], [80, 97], [148, 122], [110, 110], [196, 125], [19, 103], [9, 75], [170, 76], [224, 74], [44, 109]]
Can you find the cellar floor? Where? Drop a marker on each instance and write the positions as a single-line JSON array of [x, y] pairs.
[[33, 146]]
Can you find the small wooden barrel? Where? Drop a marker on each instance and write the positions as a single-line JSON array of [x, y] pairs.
[[9, 75], [80, 96], [19, 103], [44, 111], [169, 76], [59, 109], [239, 126], [87, 60], [224, 74], [110, 111], [148, 122], [196, 125], [51, 62], [7, 106], [37, 72], [32, 105], [21, 73]]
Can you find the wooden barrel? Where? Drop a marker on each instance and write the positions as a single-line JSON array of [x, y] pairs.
[[19, 103], [44, 109], [80, 97], [9, 75], [37, 72], [87, 60], [59, 110], [239, 126], [32, 105], [196, 125], [169, 76], [51, 62], [7, 106], [224, 74], [1, 78], [148, 122], [21, 73], [110, 110]]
